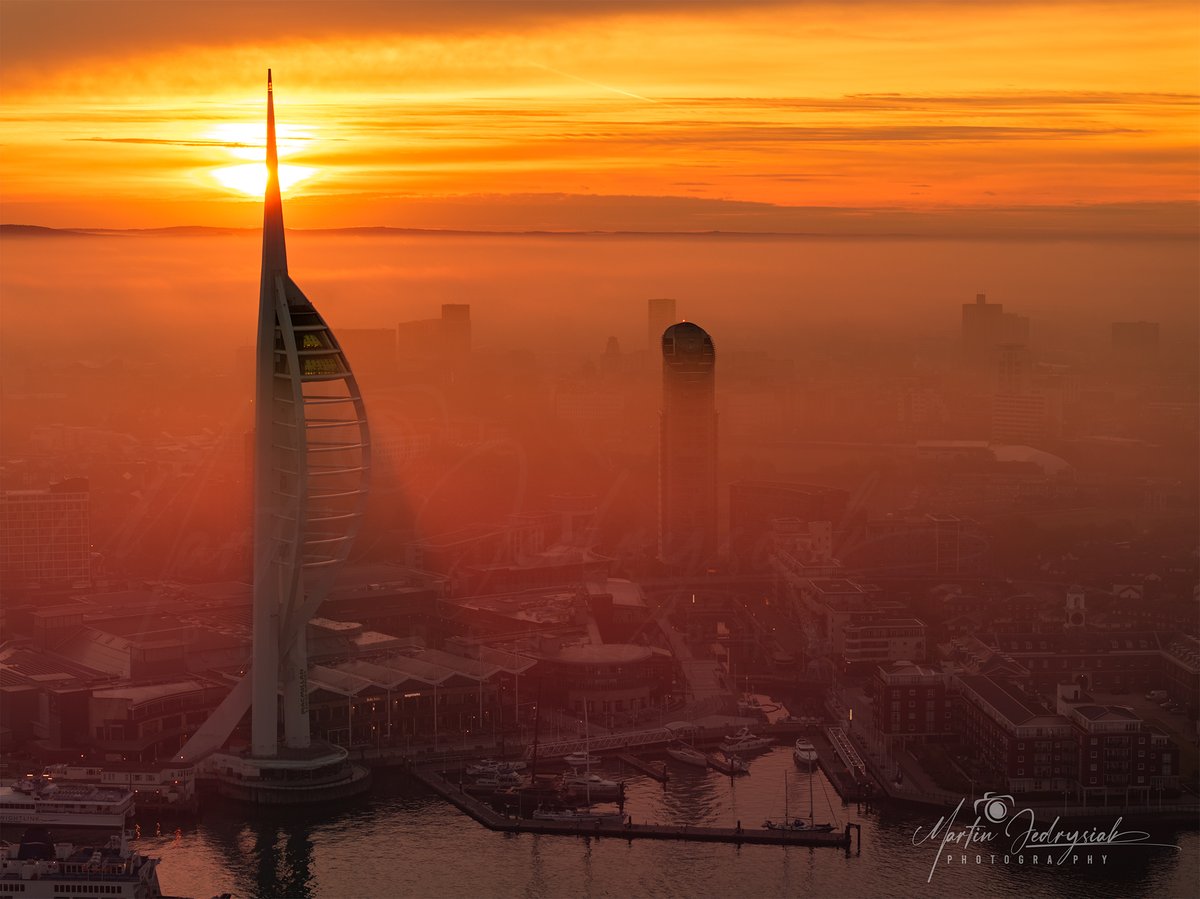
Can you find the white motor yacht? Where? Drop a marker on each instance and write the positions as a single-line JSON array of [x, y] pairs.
[[744, 741], [804, 753]]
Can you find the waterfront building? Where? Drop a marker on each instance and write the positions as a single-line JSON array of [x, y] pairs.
[[912, 702], [883, 640], [1081, 748]]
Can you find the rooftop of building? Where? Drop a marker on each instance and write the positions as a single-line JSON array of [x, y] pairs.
[[623, 592], [1006, 698], [839, 585], [548, 606], [1112, 712], [887, 622], [23, 665], [138, 693], [1079, 641], [602, 654], [906, 669]]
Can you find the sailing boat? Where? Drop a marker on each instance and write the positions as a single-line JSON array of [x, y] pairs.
[[798, 824], [588, 781]]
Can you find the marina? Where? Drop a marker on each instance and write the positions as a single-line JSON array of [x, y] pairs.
[[629, 830]]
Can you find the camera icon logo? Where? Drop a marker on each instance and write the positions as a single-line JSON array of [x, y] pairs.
[[994, 807]]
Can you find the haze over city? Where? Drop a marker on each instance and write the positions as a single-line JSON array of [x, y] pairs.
[[531, 418]]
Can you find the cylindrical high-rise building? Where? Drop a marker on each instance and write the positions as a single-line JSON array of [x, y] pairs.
[[687, 449]]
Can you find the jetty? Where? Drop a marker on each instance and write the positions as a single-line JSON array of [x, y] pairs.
[[493, 820], [719, 764], [656, 770]]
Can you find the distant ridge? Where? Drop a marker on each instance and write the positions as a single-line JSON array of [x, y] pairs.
[[17, 230], [39, 231], [12, 230]]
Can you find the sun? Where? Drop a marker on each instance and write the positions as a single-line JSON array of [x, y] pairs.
[[251, 178], [245, 140]]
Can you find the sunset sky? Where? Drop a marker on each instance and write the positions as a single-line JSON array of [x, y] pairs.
[[848, 117]]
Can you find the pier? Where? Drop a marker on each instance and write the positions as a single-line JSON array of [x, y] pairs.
[[848, 782], [657, 770], [719, 764], [493, 820]]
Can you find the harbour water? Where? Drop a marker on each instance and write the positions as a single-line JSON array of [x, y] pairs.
[[404, 841]]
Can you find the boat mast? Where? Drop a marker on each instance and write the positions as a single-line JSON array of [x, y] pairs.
[[812, 819]]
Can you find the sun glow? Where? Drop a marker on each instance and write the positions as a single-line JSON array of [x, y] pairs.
[[251, 178], [244, 140]]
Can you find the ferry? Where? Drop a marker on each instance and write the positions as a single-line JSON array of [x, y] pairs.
[[38, 868], [33, 801]]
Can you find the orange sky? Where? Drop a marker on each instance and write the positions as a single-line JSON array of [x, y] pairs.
[[608, 115]]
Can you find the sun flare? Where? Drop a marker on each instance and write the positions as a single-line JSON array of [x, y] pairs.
[[245, 140], [251, 177]]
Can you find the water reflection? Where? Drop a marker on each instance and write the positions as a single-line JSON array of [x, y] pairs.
[[353, 851]]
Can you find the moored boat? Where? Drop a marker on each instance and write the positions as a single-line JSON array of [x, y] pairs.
[[681, 752], [39, 868], [745, 741], [592, 785], [491, 766], [804, 753], [580, 817], [44, 803], [581, 759], [155, 786], [500, 779]]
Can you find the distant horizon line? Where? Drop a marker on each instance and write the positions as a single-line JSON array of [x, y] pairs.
[[18, 229]]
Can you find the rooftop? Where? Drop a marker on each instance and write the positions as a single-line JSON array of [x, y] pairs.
[[603, 654], [149, 692], [1005, 698]]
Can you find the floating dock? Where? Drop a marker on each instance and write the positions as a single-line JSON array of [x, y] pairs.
[[493, 820], [719, 764], [657, 770]]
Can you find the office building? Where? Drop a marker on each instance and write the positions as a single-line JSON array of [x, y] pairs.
[[660, 315], [44, 536]]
